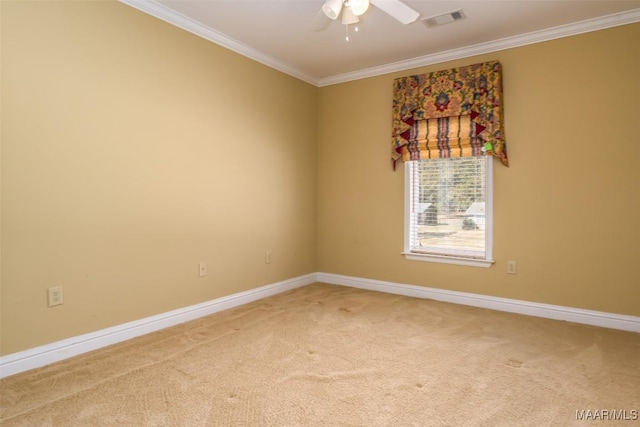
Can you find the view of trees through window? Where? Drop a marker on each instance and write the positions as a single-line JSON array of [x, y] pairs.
[[448, 206]]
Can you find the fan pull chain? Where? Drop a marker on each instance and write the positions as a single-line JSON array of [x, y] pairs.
[[346, 37]]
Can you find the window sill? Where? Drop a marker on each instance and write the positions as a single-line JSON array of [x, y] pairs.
[[484, 263]]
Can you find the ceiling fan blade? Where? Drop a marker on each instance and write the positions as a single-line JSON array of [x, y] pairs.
[[397, 9], [320, 22]]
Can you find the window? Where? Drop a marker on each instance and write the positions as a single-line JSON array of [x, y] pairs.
[[448, 210]]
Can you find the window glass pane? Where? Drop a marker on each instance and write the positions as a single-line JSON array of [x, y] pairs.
[[448, 207]]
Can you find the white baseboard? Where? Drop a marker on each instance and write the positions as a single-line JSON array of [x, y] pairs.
[[556, 312], [44, 355]]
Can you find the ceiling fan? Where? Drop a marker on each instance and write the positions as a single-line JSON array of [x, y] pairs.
[[352, 9]]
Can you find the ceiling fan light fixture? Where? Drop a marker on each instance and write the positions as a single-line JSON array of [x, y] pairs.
[[348, 17], [332, 8], [358, 7]]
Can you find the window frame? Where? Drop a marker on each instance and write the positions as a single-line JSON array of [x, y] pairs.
[[485, 262]]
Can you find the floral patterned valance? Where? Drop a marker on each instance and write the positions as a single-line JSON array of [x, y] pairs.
[[474, 91]]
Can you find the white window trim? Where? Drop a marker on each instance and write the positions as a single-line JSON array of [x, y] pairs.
[[448, 259]]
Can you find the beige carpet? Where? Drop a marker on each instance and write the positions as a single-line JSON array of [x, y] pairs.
[[326, 355]]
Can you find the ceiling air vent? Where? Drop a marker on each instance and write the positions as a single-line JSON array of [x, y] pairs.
[[446, 18]]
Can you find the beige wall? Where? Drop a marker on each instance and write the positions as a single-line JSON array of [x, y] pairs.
[[122, 168], [132, 150], [567, 208]]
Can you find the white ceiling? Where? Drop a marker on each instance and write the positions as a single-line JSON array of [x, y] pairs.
[[276, 32]]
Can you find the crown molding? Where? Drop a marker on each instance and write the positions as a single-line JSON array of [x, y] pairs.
[[558, 32], [166, 14], [158, 10]]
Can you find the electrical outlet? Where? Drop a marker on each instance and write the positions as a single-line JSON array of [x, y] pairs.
[[55, 296], [511, 267], [267, 257], [202, 269]]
